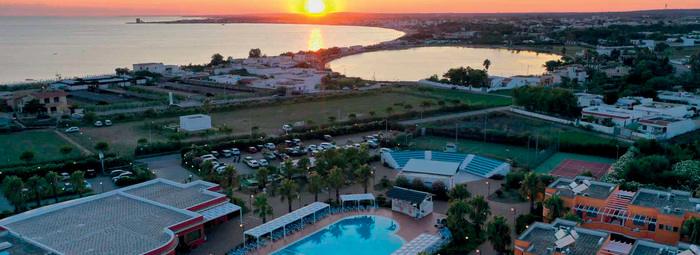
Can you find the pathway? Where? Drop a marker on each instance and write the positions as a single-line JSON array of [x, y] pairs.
[[73, 142], [454, 116]]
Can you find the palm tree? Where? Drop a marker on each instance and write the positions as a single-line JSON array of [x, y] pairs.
[[457, 221], [691, 229], [531, 188], [12, 187], [408, 107], [229, 176], [498, 233], [315, 185], [362, 175], [52, 181], [487, 64], [261, 175], [288, 191], [480, 211], [389, 110], [77, 180], [262, 208], [336, 179], [555, 205], [36, 184], [459, 192]]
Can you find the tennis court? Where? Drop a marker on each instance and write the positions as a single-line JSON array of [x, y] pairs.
[[572, 167]]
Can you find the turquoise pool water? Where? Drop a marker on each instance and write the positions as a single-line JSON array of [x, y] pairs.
[[366, 235]]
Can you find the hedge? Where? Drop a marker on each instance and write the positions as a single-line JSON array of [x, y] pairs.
[[93, 162]]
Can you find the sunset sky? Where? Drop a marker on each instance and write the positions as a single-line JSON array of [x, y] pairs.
[[219, 7]]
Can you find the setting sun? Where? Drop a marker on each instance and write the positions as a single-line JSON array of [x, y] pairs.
[[315, 6]]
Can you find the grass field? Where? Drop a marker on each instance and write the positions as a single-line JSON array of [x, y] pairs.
[[123, 137], [558, 157], [681, 52], [472, 98], [506, 92], [493, 150], [45, 144]]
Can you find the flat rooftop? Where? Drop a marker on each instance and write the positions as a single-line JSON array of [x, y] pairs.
[[431, 167], [181, 196], [594, 189], [111, 224], [678, 202], [21, 246], [542, 236]]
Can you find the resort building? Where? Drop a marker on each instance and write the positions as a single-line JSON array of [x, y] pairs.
[[645, 214], [663, 109], [565, 237], [629, 102], [156, 68], [153, 217], [679, 97], [449, 168], [586, 100], [413, 203], [93, 82], [662, 127], [619, 117]]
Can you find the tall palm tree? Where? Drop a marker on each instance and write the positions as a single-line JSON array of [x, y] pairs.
[[555, 205], [36, 184], [261, 175], [229, 176], [262, 208], [498, 233], [479, 212], [459, 192], [52, 182], [691, 229], [362, 175], [487, 64], [77, 180], [288, 191], [457, 214], [336, 179], [315, 185], [12, 187], [532, 188]]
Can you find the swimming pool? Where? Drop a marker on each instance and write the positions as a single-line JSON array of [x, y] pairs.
[[366, 235]]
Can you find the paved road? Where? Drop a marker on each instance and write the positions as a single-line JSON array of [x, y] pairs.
[[453, 116]]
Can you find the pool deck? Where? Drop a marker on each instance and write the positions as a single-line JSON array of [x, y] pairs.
[[409, 228]]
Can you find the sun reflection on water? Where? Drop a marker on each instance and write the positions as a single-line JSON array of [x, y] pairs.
[[315, 39]]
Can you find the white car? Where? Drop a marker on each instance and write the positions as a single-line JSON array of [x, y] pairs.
[[124, 175], [65, 176], [357, 146], [235, 152], [326, 146], [263, 162], [312, 147], [253, 163], [108, 122], [226, 153], [76, 116], [98, 123], [72, 130], [270, 146], [221, 169], [287, 128]]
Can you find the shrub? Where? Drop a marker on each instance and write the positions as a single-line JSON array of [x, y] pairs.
[[417, 183], [525, 220], [402, 181], [439, 186]]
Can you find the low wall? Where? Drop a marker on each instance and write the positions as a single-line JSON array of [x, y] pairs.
[[541, 116], [450, 86], [597, 127]]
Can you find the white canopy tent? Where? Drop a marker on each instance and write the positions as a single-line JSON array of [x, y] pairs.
[[357, 198], [417, 245], [285, 220]]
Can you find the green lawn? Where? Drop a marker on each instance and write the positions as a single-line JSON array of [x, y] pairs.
[[681, 52], [45, 144], [492, 150], [473, 98], [506, 92], [123, 137]]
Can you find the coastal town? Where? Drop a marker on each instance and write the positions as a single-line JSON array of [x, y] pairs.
[[595, 150]]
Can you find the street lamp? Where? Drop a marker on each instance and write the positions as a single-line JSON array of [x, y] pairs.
[[488, 189], [478, 252], [250, 200], [103, 187], [513, 210]]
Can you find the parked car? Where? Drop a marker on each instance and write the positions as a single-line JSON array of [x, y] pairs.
[[315, 152], [220, 169], [289, 143], [357, 146], [90, 173], [312, 147], [263, 162], [226, 153], [72, 130], [287, 128], [269, 156], [277, 96], [328, 138], [270, 146], [284, 157], [235, 152], [372, 145], [370, 138], [76, 116], [252, 150], [347, 146], [326, 146], [116, 173], [122, 176], [108, 122], [215, 154], [297, 142], [98, 123], [260, 147], [253, 163], [65, 176]]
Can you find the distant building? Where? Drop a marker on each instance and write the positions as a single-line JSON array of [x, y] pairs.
[[94, 82], [663, 127], [620, 117], [55, 102], [679, 97], [586, 100], [629, 102], [195, 122], [159, 68], [663, 109]]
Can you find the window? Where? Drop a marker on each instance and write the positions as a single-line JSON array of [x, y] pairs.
[[652, 227], [193, 236], [675, 229], [638, 220], [56, 99], [47, 100], [661, 226], [668, 227], [644, 127], [593, 212], [53, 109]]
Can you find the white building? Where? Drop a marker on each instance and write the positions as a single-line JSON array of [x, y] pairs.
[[629, 102], [449, 168], [663, 109], [586, 100], [196, 122], [156, 68], [679, 97], [619, 117], [644, 43], [663, 128], [413, 203]]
